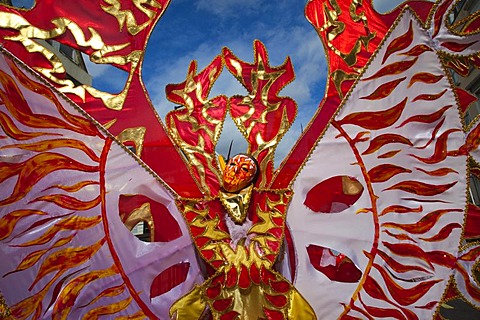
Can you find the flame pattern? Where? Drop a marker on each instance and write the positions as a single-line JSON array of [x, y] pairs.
[[59, 176], [404, 141]]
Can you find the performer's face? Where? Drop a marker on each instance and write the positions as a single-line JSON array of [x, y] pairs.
[[239, 173]]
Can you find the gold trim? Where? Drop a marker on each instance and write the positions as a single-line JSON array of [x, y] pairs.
[[142, 213], [453, 28], [101, 55], [200, 124], [135, 135], [345, 98], [259, 72], [237, 204], [126, 17], [5, 312]]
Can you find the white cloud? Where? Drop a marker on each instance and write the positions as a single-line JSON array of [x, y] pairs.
[[225, 85], [231, 133], [175, 71]]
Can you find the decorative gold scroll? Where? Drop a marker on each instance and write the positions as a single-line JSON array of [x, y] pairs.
[[236, 205], [126, 16], [142, 213], [135, 135], [333, 28], [27, 34], [339, 76], [4, 309]]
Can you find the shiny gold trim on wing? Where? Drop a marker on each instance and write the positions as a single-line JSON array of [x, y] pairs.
[[333, 28], [237, 205], [135, 135], [5, 312], [27, 33], [126, 17], [352, 88], [142, 213]]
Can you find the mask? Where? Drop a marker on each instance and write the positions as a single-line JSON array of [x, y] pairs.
[[239, 173]]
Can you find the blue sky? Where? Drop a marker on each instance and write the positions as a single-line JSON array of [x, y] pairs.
[[197, 30]]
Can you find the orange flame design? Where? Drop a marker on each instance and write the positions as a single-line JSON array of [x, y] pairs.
[[402, 295], [65, 259], [399, 267], [421, 188], [440, 152], [417, 50], [111, 309], [35, 256], [71, 203], [385, 172], [444, 233], [70, 292], [9, 221], [384, 90], [384, 139], [72, 223], [408, 250], [12, 130], [393, 69], [33, 170], [74, 188], [425, 77], [429, 97], [110, 292], [47, 145], [375, 120], [424, 224], [399, 43], [400, 209]]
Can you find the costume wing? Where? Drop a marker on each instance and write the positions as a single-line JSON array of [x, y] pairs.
[[378, 214], [68, 187], [64, 181]]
